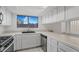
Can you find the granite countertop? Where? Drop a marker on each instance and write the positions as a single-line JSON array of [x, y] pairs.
[[11, 33], [71, 40]]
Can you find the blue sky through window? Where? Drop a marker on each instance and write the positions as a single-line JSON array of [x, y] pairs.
[[24, 19], [33, 20]]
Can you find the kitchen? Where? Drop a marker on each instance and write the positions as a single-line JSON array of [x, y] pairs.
[[39, 28]]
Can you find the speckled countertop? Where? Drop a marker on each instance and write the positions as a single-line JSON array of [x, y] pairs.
[[71, 40], [11, 33]]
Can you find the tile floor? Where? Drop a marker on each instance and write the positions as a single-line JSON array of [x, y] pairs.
[[39, 49]]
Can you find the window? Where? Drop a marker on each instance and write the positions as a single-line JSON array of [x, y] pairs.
[[27, 21], [33, 22]]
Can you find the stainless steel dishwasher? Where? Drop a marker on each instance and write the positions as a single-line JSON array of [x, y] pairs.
[[44, 42]]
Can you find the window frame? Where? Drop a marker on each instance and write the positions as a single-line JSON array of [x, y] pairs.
[[28, 22]]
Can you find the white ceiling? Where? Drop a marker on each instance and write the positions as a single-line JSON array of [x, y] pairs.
[[27, 10]]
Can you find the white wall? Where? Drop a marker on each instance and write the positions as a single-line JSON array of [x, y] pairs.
[[13, 26], [56, 27]]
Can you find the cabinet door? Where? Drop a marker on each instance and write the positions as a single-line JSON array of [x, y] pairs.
[[31, 40], [43, 19], [63, 27], [66, 48], [72, 12], [3, 10], [60, 13], [26, 41], [17, 41], [51, 45], [48, 45], [60, 50], [8, 18], [54, 16], [50, 17]]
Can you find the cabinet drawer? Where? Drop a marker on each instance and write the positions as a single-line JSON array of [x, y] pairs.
[[66, 48]]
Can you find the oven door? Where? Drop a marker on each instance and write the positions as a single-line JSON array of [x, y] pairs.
[[10, 48]]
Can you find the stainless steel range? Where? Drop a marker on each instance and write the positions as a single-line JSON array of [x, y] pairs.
[[6, 44]]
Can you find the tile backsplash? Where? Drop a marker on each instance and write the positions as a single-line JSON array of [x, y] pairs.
[[56, 27]]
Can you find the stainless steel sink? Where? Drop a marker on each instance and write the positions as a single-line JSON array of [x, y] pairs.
[[28, 32]]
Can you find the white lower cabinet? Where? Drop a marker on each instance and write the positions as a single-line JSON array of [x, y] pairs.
[[17, 42], [27, 40], [65, 48], [56, 46], [51, 45], [60, 50], [31, 40]]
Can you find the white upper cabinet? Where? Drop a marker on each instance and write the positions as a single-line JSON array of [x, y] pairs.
[[54, 16], [60, 13], [63, 27], [43, 19], [72, 13], [6, 16], [49, 16]]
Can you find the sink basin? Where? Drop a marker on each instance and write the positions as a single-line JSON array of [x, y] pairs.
[[28, 32]]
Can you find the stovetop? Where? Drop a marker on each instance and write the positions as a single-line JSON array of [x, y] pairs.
[[4, 38]]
